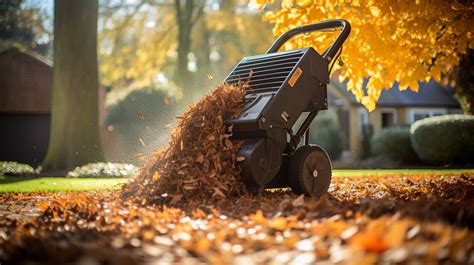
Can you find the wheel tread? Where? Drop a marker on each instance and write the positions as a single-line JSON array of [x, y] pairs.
[[295, 169]]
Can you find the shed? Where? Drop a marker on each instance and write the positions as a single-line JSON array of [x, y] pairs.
[[25, 106]]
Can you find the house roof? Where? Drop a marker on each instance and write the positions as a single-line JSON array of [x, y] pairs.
[[34, 55], [25, 82], [430, 94]]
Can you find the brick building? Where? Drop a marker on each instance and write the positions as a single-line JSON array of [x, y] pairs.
[[25, 106]]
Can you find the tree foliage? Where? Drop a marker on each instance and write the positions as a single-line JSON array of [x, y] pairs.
[[23, 26], [405, 41], [133, 44], [140, 43]]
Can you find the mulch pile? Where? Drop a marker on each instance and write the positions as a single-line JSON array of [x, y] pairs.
[[173, 212], [199, 163], [421, 219]]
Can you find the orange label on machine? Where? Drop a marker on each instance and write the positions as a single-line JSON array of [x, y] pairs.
[[296, 75]]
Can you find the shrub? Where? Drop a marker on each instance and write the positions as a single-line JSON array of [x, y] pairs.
[[326, 133], [104, 170], [14, 168], [444, 139], [137, 120], [367, 134], [394, 143]]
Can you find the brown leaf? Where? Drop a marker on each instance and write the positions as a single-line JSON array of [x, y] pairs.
[[298, 201], [218, 193], [228, 143]]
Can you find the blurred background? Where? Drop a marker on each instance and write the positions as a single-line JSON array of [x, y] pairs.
[[157, 57], [147, 74]]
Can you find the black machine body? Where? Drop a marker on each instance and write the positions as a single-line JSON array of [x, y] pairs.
[[282, 87]]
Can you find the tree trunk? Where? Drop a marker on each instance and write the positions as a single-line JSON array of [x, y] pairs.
[[183, 17], [464, 77], [203, 50], [74, 137], [187, 14]]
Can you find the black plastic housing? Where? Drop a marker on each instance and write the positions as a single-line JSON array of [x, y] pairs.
[[274, 100], [283, 85]]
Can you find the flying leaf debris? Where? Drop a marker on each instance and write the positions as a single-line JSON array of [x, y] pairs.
[[200, 160]]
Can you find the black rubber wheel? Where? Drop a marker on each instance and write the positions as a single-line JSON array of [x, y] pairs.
[[310, 171]]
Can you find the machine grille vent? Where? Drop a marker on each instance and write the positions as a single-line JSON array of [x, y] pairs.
[[265, 73]]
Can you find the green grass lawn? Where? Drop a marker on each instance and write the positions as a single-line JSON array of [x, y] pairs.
[[22, 184]]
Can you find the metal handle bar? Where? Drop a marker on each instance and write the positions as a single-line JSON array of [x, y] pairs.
[[329, 24]]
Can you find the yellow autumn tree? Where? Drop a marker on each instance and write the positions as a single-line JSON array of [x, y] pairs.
[[134, 42], [403, 41], [139, 44]]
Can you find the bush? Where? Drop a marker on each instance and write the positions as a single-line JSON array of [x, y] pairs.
[[137, 120], [104, 170], [14, 168], [326, 133], [394, 143], [444, 139], [367, 134]]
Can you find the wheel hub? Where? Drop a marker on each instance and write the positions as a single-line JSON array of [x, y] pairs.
[[310, 171]]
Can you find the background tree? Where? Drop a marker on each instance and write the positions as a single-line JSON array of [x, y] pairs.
[[138, 55], [391, 41], [23, 26], [234, 32], [188, 12], [74, 138], [463, 77], [137, 43], [140, 44]]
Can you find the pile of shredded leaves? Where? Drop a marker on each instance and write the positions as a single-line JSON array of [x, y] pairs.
[[200, 160], [181, 209], [394, 219]]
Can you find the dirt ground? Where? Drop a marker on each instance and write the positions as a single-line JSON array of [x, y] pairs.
[[393, 219]]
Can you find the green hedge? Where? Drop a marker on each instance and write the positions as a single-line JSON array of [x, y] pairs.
[[445, 139], [394, 143], [325, 132], [143, 114]]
